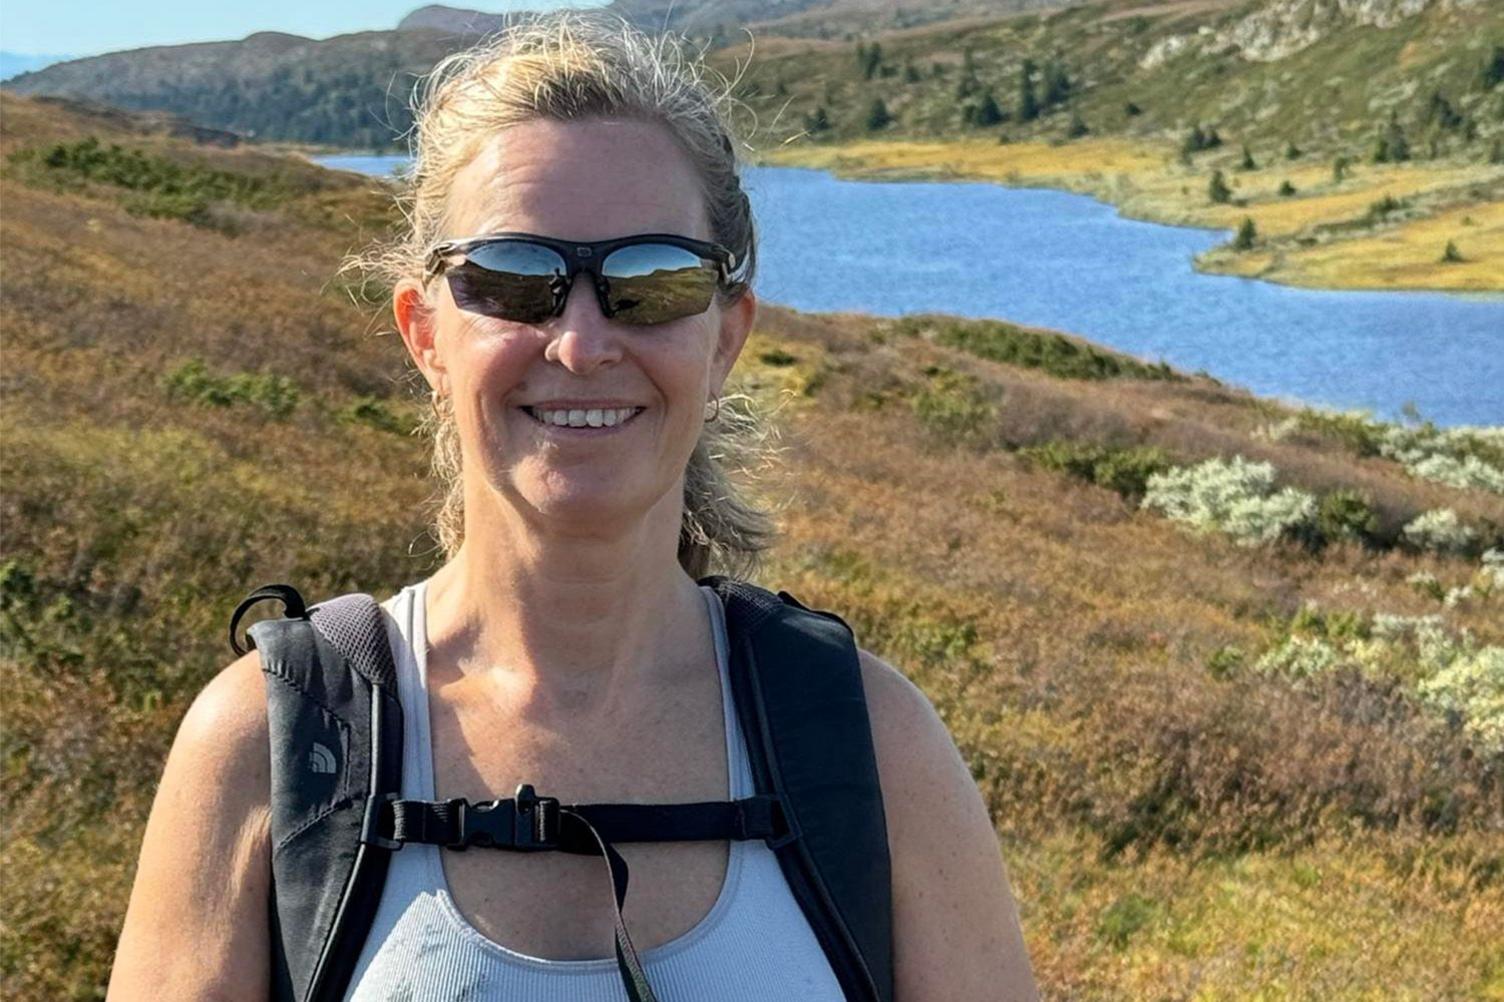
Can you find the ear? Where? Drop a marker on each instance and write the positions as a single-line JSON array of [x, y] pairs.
[[736, 323], [416, 321]]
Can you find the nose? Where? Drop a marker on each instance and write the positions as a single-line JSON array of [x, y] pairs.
[[583, 340]]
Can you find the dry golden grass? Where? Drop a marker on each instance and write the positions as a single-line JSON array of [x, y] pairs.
[[1313, 245], [1170, 833]]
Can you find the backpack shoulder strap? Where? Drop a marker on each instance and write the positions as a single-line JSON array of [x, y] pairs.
[[336, 753], [797, 684]]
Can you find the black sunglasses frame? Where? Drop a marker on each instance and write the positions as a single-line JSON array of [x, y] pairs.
[[584, 256]]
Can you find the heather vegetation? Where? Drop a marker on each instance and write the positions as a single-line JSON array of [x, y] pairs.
[[1215, 767]]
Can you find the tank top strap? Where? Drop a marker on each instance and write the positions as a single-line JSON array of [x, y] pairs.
[[738, 768]]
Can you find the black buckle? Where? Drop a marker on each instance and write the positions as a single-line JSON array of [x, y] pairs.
[[526, 823]]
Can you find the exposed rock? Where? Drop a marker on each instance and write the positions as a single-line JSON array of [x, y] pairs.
[[1284, 27]]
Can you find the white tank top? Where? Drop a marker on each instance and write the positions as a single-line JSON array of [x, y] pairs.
[[753, 945]]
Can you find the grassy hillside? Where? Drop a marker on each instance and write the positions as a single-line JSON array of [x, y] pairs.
[[1356, 151], [1218, 767]]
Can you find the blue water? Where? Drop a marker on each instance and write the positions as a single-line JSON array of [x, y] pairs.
[[1069, 262]]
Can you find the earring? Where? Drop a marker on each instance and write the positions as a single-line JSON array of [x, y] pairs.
[[712, 408]]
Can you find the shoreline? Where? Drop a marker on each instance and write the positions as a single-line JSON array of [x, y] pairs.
[[1301, 241], [1324, 239]]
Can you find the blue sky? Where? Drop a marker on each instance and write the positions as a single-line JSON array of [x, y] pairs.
[[90, 27]]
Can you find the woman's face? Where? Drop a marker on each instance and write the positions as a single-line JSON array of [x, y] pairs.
[[589, 180]]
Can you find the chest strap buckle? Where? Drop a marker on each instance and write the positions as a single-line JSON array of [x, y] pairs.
[[525, 823]]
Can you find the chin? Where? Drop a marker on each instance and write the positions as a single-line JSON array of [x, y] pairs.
[[585, 499]]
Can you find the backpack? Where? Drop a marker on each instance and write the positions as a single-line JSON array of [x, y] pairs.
[[335, 726]]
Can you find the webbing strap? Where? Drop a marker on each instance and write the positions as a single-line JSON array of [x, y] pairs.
[[514, 824], [530, 823]]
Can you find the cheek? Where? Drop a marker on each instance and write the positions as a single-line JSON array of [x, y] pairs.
[[490, 356]]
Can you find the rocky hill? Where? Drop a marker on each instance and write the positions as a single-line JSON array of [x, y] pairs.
[[1313, 72]]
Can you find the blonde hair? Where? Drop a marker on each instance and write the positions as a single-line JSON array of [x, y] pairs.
[[570, 65]]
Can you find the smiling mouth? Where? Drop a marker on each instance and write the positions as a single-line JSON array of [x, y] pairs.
[[607, 417]]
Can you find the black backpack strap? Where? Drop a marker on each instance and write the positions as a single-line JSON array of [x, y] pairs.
[[336, 754], [797, 683], [530, 823]]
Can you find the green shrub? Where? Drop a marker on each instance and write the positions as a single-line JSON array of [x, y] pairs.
[[1233, 496], [953, 405], [1226, 662], [1345, 514], [1471, 688], [1125, 917], [998, 341], [192, 381], [777, 357], [377, 413], [1385, 207], [1247, 234], [156, 186], [1439, 531], [1124, 470], [1217, 189], [1464, 457], [1354, 429]]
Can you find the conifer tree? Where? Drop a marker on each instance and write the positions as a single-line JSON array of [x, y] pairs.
[[1248, 161], [1292, 152], [877, 115], [1057, 85], [988, 113], [1028, 103], [1217, 190], [1391, 146], [1195, 140], [1077, 128], [1493, 68], [1452, 255], [1247, 234], [819, 121]]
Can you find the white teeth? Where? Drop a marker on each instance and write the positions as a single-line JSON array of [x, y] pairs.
[[596, 417]]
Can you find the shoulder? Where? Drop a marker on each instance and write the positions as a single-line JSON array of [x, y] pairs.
[[956, 930], [215, 790], [227, 721], [196, 923], [919, 766]]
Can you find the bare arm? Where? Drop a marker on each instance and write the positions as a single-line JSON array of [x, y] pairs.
[[197, 926], [956, 933]]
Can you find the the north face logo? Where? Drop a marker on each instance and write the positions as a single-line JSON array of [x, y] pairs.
[[321, 760]]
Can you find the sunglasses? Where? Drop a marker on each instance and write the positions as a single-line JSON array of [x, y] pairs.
[[648, 278]]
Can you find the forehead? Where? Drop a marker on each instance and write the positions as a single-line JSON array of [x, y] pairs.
[[583, 180]]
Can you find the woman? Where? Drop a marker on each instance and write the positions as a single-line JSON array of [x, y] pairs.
[[582, 504]]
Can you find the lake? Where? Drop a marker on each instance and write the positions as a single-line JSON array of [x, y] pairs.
[[1069, 262]]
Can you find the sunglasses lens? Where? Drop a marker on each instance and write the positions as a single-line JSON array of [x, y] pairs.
[[656, 283], [509, 280]]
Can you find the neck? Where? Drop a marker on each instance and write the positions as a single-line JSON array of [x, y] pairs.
[[566, 620]]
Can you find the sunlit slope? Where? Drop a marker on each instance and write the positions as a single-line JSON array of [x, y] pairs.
[[1211, 766]]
